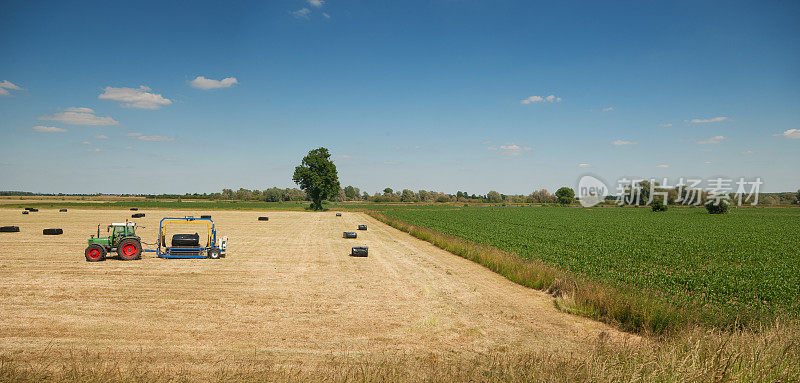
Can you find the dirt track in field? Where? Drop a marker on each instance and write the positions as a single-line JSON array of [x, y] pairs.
[[287, 291]]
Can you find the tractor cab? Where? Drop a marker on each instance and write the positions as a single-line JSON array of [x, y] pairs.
[[122, 238], [122, 230]]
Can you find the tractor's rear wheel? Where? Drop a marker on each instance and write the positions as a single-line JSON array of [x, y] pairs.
[[129, 249], [95, 253]]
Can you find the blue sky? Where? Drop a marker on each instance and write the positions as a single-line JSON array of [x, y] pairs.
[[444, 95]]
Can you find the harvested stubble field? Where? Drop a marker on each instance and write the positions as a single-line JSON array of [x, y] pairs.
[[287, 297]]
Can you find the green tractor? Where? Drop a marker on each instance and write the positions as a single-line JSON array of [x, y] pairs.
[[122, 239]]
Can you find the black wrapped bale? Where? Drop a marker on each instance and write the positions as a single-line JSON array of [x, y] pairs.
[[263, 218], [338, 214], [186, 240], [362, 227], [134, 209], [25, 212], [28, 208], [137, 215], [205, 216], [33, 210], [52, 231], [9, 229], [62, 210], [349, 234], [361, 251]]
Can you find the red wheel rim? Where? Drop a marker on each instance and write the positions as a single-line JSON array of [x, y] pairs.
[[129, 250], [94, 254]]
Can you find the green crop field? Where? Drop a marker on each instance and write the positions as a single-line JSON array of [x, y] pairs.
[[741, 265]]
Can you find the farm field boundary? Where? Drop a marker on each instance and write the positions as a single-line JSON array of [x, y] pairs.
[[634, 312]]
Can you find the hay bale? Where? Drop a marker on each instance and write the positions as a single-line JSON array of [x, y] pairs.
[[362, 227], [338, 214], [134, 209], [137, 215], [263, 218], [33, 210], [359, 251], [186, 240], [9, 229], [25, 212], [52, 231], [205, 216], [349, 234], [62, 210]]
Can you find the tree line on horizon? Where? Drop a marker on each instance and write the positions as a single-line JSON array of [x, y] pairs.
[[388, 195]]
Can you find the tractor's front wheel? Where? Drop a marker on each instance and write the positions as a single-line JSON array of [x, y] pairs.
[[129, 249], [213, 254], [95, 253]]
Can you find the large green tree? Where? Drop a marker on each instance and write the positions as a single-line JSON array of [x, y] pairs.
[[494, 197], [317, 176], [565, 195]]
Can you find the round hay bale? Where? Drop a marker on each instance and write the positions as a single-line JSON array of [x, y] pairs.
[[25, 212], [137, 215], [62, 210], [52, 231], [263, 218], [9, 229], [359, 251], [185, 240], [362, 227], [205, 216], [134, 209], [33, 210], [28, 208], [349, 234], [338, 214]]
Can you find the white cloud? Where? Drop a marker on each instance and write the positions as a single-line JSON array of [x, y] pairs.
[[80, 116], [5, 85], [702, 121], [325, 15], [344, 157], [155, 138], [583, 165], [86, 143], [101, 137], [140, 97], [623, 143], [301, 13], [537, 99], [662, 166], [712, 140], [133, 134], [207, 83], [747, 152], [610, 108], [48, 129], [791, 133], [390, 162], [94, 150], [665, 125], [316, 3], [707, 162], [513, 149]]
